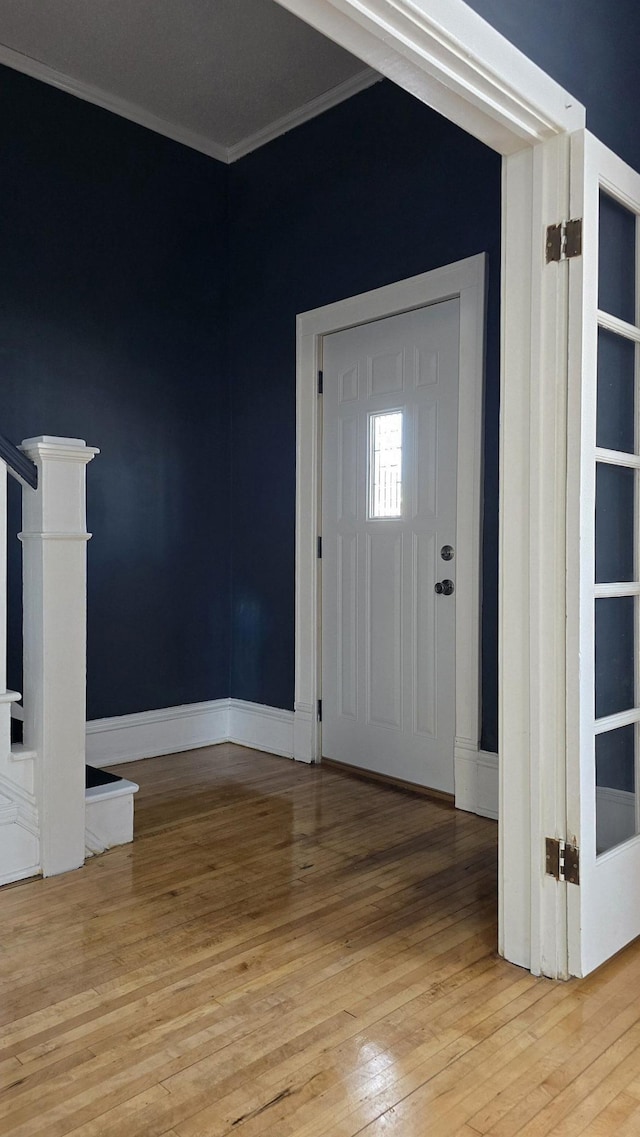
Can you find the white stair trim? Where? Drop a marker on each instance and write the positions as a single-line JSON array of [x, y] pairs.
[[111, 790], [108, 816]]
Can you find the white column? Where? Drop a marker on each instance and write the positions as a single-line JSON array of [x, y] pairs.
[[54, 537]]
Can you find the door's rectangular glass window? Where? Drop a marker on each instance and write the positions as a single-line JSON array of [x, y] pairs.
[[385, 464], [617, 559], [615, 655], [617, 260], [616, 819], [615, 523], [615, 429]]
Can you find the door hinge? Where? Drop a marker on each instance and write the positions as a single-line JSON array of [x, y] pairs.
[[562, 860], [319, 548], [564, 241], [320, 382], [319, 710]]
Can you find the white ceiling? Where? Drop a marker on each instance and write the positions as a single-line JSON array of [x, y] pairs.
[[223, 76]]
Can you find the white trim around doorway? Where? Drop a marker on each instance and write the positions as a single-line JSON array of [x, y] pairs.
[[450, 58], [464, 279]]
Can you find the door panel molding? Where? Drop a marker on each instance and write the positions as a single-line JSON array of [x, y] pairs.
[[464, 279]]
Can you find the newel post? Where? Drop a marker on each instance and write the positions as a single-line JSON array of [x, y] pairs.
[[54, 536]]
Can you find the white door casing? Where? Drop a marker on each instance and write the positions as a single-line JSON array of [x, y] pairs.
[[448, 57], [451, 59], [388, 639], [465, 280]]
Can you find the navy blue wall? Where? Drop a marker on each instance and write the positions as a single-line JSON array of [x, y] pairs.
[[111, 329], [378, 189], [591, 48]]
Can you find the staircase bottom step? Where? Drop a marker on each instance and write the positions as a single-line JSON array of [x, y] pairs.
[[108, 815]]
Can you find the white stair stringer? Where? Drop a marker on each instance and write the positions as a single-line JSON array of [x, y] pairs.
[[108, 816], [19, 825]]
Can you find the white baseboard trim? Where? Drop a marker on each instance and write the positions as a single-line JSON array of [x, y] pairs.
[[305, 733], [476, 780], [488, 784], [615, 817], [261, 727], [149, 734]]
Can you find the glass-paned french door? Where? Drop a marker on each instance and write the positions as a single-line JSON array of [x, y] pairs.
[[617, 537], [603, 645]]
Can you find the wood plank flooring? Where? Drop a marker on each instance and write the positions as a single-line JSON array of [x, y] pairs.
[[286, 950]]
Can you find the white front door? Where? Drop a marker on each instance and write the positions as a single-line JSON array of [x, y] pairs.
[[390, 428]]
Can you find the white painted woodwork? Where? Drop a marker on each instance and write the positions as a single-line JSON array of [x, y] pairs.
[[604, 911], [532, 583], [109, 816], [477, 782], [388, 641], [19, 842], [172, 730], [450, 58], [54, 537], [465, 279]]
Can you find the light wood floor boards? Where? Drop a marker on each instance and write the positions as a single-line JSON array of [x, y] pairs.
[[288, 951]]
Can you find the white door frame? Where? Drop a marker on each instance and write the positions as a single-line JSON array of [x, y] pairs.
[[448, 57], [464, 280]]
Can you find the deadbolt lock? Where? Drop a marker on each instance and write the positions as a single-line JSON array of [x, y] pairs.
[[446, 552]]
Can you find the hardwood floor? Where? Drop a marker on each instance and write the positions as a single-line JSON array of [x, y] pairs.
[[288, 951]]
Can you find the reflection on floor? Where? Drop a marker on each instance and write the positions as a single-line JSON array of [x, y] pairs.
[[286, 950]]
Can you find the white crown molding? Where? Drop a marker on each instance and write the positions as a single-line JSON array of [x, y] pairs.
[[307, 111], [439, 50], [113, 103], [181, 134]]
